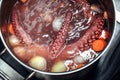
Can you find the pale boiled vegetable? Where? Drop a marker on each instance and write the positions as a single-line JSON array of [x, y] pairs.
[[38, 62], [88, 54], [96, 8], [48, 17], [59, 67], [13, 40], [79, 59], [105, 14], [57, 23]]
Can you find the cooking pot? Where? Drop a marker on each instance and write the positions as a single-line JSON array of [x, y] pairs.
[[5, 11]]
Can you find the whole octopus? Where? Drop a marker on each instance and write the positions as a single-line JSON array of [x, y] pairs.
[[79, 26]]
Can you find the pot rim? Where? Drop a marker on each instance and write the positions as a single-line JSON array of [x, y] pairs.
[[67, 72]]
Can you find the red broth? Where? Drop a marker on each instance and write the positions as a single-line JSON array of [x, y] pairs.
[[57, 35]]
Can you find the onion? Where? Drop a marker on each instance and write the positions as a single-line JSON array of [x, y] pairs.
[[88, 55], [13, 40], [84, 56], [38, 62], [59, 67], [79, 59], [57, 23]]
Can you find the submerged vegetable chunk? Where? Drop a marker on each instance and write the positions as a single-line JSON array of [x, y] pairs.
[[59, 67], [38, 62]]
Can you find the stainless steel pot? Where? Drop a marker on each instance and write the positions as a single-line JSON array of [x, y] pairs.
[[5, 11]]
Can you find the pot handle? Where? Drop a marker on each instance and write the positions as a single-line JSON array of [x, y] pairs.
[[30, 75], [118, 16]]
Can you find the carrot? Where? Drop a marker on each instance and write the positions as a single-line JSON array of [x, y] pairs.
[[10, 28], [99, 45], [80, 65], [23, 1]]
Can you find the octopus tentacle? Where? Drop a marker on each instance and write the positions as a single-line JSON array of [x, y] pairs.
[[91, 34], [19, 31], [85, 41], [61, 37]]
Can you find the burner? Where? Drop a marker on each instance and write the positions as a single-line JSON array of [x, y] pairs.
[[3, 76], [8, 73]]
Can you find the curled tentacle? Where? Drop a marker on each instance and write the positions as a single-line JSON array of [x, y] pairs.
[[85, 41], [61, 37], [92, 34], [19, 31]]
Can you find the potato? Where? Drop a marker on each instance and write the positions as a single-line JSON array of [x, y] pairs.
[[38, 62], [59, 67], [13, 40]]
